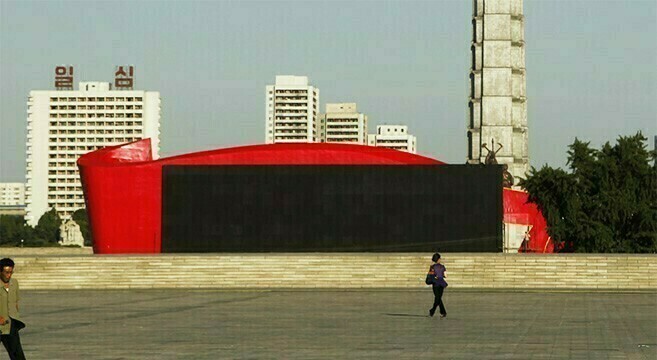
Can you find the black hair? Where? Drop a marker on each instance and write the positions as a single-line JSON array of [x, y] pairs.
[[435, 257], [6, 262]]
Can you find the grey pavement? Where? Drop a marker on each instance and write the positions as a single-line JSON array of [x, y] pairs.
[[221, 324]]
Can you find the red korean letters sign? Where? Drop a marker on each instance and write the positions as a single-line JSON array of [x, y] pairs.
[[124, 77], [64, 77]]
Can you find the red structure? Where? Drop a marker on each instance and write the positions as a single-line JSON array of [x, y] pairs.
[[123, 186], [518, 211]]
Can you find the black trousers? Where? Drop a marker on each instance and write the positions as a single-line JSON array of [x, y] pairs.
[[12, 343], [438, 299]]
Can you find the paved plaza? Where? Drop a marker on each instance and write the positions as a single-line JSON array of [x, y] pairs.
[[220, 324]]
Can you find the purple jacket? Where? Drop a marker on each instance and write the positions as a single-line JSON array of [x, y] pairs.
[[439, 271]]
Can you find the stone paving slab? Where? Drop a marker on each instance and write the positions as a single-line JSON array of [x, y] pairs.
[[216, 324], [46, 251]]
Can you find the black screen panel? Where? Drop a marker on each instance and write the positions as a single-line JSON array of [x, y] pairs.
[[406, 208]]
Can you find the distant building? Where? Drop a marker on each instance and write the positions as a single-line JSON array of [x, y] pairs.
[[498, 103], [292, 111], [393, 137], [64, 124], [342, 123], [12, 199], [12, 194]]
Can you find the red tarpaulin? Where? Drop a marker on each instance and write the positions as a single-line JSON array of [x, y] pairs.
[[123, 186], [518, 211]]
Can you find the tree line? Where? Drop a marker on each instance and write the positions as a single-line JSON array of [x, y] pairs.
[[14, 230], [607, 200]]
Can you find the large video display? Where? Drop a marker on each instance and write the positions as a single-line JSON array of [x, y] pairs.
[[320, 208]]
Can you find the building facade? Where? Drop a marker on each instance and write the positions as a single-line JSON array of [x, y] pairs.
[[497, 128], [393, 137], [12, 194], [64, 124], [12, 199], [342, 123], [291, 111]]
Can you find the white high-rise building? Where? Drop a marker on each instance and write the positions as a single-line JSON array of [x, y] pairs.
[[12, 194], [64, 124], [497, 130], [291, 111], [342, 123], [393, 137]]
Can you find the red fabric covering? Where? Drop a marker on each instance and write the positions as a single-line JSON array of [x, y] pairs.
[[518, 211], [123, 186]]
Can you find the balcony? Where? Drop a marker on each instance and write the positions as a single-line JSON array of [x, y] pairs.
[[342, 136], [283, 122], [291, 100]]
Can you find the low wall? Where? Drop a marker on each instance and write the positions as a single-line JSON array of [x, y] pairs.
[[258, 271]]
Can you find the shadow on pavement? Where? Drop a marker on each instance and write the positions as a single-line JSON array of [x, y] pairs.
[[406, 315]]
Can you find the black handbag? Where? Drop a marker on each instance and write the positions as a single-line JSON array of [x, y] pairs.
[[430, 279]]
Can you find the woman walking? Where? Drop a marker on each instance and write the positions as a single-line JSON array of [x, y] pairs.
[[438, 286]]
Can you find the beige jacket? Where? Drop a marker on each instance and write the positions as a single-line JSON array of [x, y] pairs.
[[9, 304]]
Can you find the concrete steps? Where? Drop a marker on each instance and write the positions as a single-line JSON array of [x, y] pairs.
[[337, 270]]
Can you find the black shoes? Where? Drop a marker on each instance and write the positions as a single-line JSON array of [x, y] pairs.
[[433, 311]]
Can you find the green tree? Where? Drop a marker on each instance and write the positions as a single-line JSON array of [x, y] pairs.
[[12, 229], [607, 203], [80, 217], [47, 229]]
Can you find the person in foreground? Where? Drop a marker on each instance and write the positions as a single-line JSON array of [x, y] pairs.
[[438, 286], [10, 321]]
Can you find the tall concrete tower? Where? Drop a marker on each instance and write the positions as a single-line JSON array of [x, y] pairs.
[[498, 106]]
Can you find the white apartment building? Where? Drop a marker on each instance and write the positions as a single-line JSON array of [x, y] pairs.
[[342, 123], [12, 194], [393, 137], [291, 112], [64, 124]]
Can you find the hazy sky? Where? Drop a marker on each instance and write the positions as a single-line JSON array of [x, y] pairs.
[[591, 66]]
